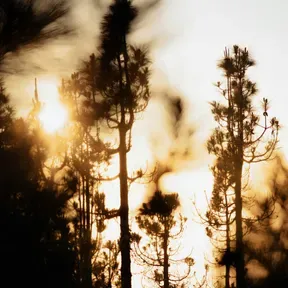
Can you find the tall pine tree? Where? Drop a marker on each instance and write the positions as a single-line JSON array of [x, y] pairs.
[[120, 90], [239, 137]]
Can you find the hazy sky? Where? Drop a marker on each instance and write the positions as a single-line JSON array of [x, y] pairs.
[[203, 29], [207, 27], [189, 37]]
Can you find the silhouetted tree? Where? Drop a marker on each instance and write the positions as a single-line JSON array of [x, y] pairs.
[[88, 159], [220, 217], [26, 23], [35, 239], [6, 116], [162, 224], [116, 87], [106, 268], [266, 248], [124, 89], [90, 203], [238, 139]]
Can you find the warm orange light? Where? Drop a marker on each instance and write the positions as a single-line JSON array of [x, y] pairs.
[[53, 117]]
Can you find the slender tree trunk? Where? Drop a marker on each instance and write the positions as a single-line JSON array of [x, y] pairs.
[[240, 265], [87, 239], [124, 205], [166, 258], [227, 276], [81, 229], [228, 244], [240, 271], [109, 272], [124, 212]]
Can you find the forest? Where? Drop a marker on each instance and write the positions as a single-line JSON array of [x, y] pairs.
[[70, 212]]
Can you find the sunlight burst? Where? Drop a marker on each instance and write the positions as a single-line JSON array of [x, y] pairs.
[[53, 117]]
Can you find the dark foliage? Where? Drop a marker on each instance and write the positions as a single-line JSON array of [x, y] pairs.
[[115, 26], [24, 23], [35, 232], [160, 204], [164, 225], [271, 255]]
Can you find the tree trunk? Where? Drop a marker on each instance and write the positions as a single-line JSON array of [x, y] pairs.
[[240, 270], [240, 265], [124, 213], [109, 272], [227, 276], [87, 283], [166, 258], [228, 244]]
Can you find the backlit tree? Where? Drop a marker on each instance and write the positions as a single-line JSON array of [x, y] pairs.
[[238, 139]]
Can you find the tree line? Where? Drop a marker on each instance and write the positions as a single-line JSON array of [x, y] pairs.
[[53, 207]]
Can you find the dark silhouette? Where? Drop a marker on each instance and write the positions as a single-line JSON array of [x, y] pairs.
[[266, 247], [220, 216], [120, 89], [106, 269], [235, 141], [36, 235], [88, 159], [30, 23], [163, 224]]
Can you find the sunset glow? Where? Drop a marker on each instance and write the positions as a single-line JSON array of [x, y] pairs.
[[53, 117]]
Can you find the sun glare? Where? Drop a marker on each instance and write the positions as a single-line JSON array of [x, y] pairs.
[[53, 115]]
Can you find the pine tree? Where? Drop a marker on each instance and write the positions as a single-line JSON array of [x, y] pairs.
[[106, 268], [219, 218], [88, 159], [239, 136], [23, 25], [162, 224], [125, 90], [119, 90], [115, 86], [271, 255], [6, 115], [33, 217]]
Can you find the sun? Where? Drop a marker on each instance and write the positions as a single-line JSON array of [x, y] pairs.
[[53, 115]]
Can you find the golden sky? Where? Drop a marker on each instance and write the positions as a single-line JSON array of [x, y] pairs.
[[188, 38]]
